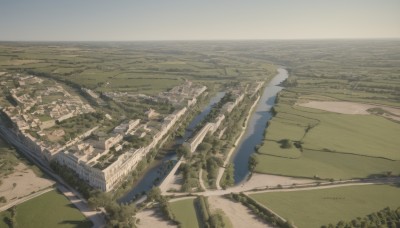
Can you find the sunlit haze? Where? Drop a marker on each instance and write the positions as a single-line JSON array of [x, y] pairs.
[[197, 20]]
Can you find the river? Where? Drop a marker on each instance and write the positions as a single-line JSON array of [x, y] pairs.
[[252, 137], [254, 134], [160, 170]]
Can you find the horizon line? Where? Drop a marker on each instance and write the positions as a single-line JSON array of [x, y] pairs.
[[206, 40]]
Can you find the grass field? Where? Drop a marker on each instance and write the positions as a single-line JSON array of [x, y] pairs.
[[313, 208], [185, 213], [327, 165], [8, 158], [333, 145], [132, 67], [49, 210]]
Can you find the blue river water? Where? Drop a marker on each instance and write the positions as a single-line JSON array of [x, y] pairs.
[[252, 137], [256, 126]]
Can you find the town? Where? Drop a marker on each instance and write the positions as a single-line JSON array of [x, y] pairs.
[[102, 159]]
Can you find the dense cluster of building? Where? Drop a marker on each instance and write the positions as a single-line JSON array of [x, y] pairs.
[[101, 159], [185, 94], [39, 104], [182, 94], [237, 94]]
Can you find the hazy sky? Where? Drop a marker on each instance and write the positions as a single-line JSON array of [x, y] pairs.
[[199, 20]]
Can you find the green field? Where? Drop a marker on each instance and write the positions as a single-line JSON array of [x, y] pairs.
[[327, 165], [8, 158], [328, 145], [185, 213], [131, 67], [313, 208], [49, 210]]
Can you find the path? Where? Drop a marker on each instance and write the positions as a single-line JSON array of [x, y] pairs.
[[201, 179], [238, 214], [26, 198], [249, 188], [168, 180], [152, 218], [98, 221], [21, 184]]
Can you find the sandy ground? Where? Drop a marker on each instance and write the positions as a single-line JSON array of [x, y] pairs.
[[26, 183], [152, 218], [345, 107], [172, 181], [239, 215], [176, 182]]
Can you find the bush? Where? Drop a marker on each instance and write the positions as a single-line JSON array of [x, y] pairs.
[[203, 208], [286, 143], [3, 199]]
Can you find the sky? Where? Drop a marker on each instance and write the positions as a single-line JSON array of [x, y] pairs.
[[130, 20]]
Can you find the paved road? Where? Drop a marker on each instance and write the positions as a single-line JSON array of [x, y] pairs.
[[96, 217], [299, 187]]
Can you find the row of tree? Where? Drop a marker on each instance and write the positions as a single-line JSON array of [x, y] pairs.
[[386, 218], [10, 217], [118, 215], [154, 195], [209, 219], [228, 179]]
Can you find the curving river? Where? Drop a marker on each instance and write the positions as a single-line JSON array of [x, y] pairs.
[[254, 134]]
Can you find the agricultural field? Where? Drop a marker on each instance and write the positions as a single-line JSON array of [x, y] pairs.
[[185, 212], [335, 122], [331, 205], [49, 210], [8, 159], [130, 67], [328, 145]]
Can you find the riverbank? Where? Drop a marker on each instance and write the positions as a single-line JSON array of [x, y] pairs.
[[147, 179], [254, 133], [222, 169]]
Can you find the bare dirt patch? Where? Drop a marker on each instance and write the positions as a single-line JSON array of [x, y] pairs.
[[345, 107], [22, 182], [239, 215], [17, 62], [152, 218]]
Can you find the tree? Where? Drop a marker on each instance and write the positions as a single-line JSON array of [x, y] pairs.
[[3, 199], [217, 221], [183, 151], [204, 147], [286, 143], [154, 194], [99, 199], [253, 161]]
